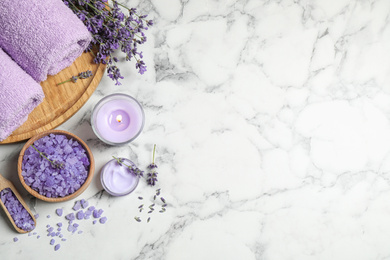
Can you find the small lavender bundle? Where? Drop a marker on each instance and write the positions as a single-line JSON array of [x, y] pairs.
[[152, 175], [111, 30]]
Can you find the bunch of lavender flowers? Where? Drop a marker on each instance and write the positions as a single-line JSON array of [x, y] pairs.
[[111, 30]]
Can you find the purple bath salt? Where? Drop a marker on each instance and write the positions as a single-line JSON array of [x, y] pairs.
[[57, 247], [77, 206], [59, 224], [70, 216], [80, 215], [48, 216], [38, 236], [65, 176], [103, 220], [94, 222], [36, 216], [59, 212], [80, 232], [15, 239], [52, 242], [19, 214], [50, 229], [97, 213], [84, 203]]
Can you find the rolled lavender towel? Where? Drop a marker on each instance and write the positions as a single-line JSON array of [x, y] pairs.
[[43, 37], [19, 95]]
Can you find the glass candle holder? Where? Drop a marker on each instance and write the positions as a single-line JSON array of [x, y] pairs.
[[117, 179], [117, 119]]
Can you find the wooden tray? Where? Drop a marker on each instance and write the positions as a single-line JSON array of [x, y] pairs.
[[61, 102]]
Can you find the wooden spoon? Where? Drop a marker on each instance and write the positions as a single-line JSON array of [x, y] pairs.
[[4, 183]]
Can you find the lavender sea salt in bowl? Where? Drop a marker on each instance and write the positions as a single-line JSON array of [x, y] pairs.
[[55, 166]]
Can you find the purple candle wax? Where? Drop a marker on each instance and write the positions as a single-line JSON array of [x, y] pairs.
[[117, 179], [117, 119]]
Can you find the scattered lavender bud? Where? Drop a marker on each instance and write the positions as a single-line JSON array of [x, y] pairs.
[[158, 192], [154, 197], [103, 220], [163, 200], [140, 198], [148, 219], [52, 242], [140, 206], [57, 247], [70, 216], [59, 212], [150, 211], [15, 239], [137, 219]]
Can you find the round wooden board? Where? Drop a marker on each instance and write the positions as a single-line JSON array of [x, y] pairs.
[[61, 102]]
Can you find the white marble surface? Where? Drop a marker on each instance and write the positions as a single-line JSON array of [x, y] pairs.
[[271, 120]]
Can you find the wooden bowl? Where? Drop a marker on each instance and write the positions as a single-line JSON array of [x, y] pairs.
[[68, 135]]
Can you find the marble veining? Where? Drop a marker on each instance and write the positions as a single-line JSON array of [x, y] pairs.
[[271, 120]]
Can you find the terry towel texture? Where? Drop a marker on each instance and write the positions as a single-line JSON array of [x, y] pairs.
[[19, 95], [42, 36]]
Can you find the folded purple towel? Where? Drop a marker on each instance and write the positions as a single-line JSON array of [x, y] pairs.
[[43, 37], [19, 95]]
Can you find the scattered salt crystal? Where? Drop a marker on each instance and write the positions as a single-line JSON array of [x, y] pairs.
[[80, 215], [84, 203], [48, 216], [57, 247], [30, 234], [94, 222], [77, 206], [75, 225], [36, 216], [38, 236], [59, 229], [47, 225], [53, 234], [97, 213], [15, 239], [61, 235], [50, 229], [34, 233], [70, 216], [91, 208], [103, 220], [59, 212], [52, 242], [59, 224], [64, 239], [80, 232]]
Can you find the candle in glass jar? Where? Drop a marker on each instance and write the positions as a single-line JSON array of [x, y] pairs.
[[117, 119], [117, 179]]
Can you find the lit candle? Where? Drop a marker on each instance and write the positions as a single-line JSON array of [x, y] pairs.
[[117, 179], [117, 119]]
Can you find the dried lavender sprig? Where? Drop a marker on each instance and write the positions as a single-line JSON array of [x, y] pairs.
[[53, 163], [134, 170], [82, 75], [152, 175]]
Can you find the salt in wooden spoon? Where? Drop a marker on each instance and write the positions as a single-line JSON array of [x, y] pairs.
[[4, 183]]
